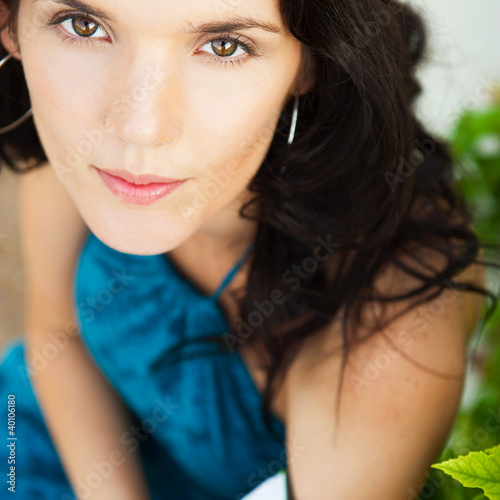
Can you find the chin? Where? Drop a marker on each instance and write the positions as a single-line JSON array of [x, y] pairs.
[[133, 230], [138, 239]]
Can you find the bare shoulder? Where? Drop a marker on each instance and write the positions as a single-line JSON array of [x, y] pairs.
[[461, 307], [400, 394], [458, 308], [52, 233]]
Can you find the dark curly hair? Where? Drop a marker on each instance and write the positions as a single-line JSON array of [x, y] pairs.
[[363, 176]]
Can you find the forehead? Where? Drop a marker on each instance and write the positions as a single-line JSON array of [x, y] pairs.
[[180, 16]]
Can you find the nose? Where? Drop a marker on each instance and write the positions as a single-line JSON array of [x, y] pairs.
[[146, 109]]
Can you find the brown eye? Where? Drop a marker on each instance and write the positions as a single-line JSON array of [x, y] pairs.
[[227, 47], [82, 26]]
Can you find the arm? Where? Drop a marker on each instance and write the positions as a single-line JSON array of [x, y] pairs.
[[395, 417], [84, 415]]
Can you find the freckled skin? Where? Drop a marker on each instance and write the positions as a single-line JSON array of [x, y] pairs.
[[148, 99]]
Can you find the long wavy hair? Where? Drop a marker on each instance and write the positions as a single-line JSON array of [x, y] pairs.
[[363, 177]]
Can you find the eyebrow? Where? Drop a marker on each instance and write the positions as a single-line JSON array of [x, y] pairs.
[[93, 11], [238, 23]]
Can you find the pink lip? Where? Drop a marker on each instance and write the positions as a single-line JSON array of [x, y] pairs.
[[139, 179], [147, 191]]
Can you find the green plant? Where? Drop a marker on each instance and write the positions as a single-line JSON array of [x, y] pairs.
[[461, 464], [478, 469]]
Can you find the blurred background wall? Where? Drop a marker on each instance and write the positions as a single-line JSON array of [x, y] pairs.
[[464, 58], [463, 63], [11, 272]]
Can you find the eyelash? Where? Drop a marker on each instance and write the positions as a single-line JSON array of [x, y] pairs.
[[226, 37]]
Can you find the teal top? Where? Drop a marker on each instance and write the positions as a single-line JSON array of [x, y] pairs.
[[196, 409], [202, 409]]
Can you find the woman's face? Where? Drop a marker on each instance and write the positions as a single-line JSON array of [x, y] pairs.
[[140, 87]]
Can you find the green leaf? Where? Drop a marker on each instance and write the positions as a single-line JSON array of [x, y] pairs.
[[478, 469]]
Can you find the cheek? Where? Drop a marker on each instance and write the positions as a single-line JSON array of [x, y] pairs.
[[62, 91], [234, 117], [64, 98]]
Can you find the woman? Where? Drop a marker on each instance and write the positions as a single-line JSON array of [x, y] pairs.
[[228, 205]]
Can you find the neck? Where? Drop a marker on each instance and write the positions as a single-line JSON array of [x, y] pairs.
[[207, 255], [227, 232]]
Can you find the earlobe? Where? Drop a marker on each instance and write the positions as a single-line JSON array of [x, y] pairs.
[[308, 84], [5, 36], [308, 73]]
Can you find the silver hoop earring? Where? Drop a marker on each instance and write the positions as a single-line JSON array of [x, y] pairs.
[[13, 125], [293, 127], [295, 115]]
